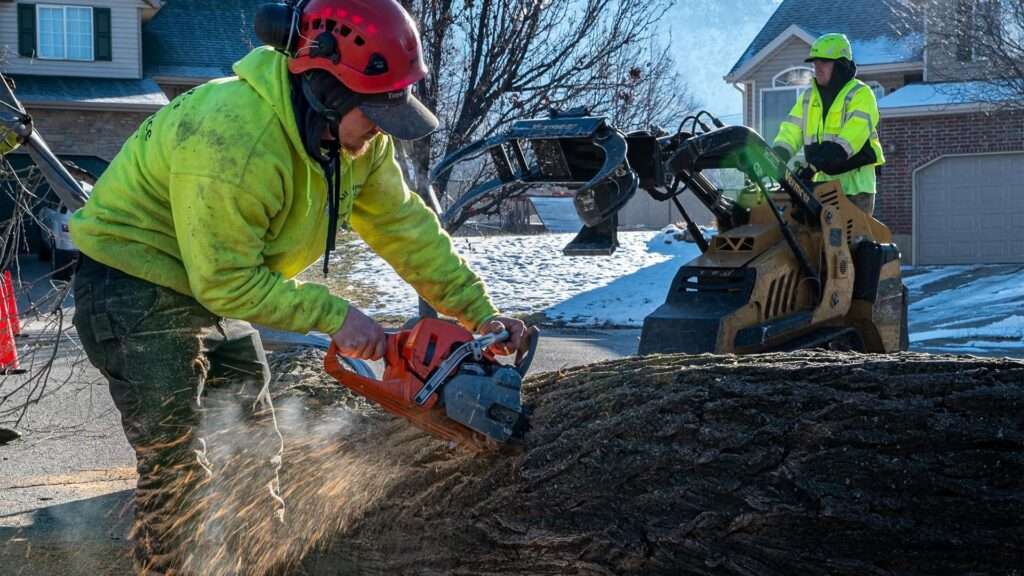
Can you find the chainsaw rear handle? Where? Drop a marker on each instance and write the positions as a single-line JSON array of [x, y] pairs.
[[332, 363], [368, 386]]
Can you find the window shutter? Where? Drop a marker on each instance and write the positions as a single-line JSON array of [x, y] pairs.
[[27, 30], [101, 34]]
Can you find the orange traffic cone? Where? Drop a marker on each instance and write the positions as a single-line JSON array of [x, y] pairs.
[[8, 350], [11, 304]]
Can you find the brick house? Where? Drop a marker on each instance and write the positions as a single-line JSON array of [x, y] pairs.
[[90, 71], [952, 189], [77, 67]]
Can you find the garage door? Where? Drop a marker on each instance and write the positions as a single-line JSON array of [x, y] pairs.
[[970, 209]]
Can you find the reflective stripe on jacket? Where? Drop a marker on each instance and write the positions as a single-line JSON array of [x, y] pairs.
[[852, 122]]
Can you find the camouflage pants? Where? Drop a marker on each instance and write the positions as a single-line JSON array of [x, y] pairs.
[[157, 349]]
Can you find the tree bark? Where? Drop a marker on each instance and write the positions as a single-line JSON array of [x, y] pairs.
[[808, 463]]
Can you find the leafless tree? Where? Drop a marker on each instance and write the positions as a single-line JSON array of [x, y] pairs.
[[495, 61], [977, 40], [41, 312]]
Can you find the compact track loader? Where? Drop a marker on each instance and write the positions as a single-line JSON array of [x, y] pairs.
[[803, 268]]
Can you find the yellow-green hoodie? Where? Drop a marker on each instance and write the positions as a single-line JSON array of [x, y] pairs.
[[215, 197]]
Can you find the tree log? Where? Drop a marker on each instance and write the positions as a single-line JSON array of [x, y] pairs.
[[807, 463]]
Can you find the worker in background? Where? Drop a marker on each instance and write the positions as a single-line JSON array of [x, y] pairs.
[[836, 123], [220, 199], [9, 140]]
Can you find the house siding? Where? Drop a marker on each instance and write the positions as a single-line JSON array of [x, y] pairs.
[[84, 132], [791, 53], [942, 63], [126, 45], [910, 143], [748, 104]]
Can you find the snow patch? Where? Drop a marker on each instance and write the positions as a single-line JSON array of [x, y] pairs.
[[526, 274], [972, 309], [1009, 332], [916, 279], [946, 94], [628, 300]]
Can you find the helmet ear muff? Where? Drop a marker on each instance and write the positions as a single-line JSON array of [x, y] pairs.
[[325, 46], [277, 25]]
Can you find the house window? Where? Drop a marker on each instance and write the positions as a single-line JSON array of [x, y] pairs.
[[915, 78], [798, 76], [65, 32], [777, 101], [877, 88]]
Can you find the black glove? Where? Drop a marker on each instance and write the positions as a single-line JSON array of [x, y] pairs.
[[782, 153], [827, 157]]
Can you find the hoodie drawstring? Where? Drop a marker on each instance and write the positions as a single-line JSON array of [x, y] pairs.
[[333, 201]]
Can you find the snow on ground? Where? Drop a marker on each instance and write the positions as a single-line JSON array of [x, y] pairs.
[[967, 309], [626, 300], [526, 274], [917, 279]]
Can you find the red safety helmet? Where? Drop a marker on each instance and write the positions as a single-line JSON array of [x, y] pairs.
[[373, 48], [376, 47]]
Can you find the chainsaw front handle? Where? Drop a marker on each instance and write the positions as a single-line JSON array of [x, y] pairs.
[[525, 357]]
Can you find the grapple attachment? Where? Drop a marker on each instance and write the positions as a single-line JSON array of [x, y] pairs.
[[570, 149]]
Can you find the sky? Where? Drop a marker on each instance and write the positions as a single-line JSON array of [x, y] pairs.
[[707, 37]]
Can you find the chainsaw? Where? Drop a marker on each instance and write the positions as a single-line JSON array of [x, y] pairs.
[[446, 381]]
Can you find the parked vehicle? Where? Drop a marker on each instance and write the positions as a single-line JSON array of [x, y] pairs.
[[56, 245], [71, 185]]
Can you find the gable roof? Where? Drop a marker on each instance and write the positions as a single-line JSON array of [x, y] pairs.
[[198, 39], [881, 31]]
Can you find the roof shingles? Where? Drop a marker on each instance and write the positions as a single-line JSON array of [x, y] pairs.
[[198, 38], [882, 31], [115, 92]]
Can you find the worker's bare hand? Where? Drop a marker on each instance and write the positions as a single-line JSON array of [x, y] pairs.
[[360, 337], [516, 333]]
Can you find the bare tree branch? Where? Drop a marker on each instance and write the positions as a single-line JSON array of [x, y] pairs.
[[495, 61], [975, 49]]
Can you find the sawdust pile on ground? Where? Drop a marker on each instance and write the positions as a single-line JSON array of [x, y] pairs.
[[333, 471]]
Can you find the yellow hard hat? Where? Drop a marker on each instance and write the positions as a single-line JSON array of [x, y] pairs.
[[831, 47]]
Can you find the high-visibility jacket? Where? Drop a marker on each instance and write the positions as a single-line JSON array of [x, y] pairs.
[[8, 141], [852, 123], [216, 197]]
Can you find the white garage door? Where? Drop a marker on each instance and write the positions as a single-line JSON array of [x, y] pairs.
[[970, 209]]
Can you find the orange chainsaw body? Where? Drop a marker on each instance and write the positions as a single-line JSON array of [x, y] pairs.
[[410, 359]]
